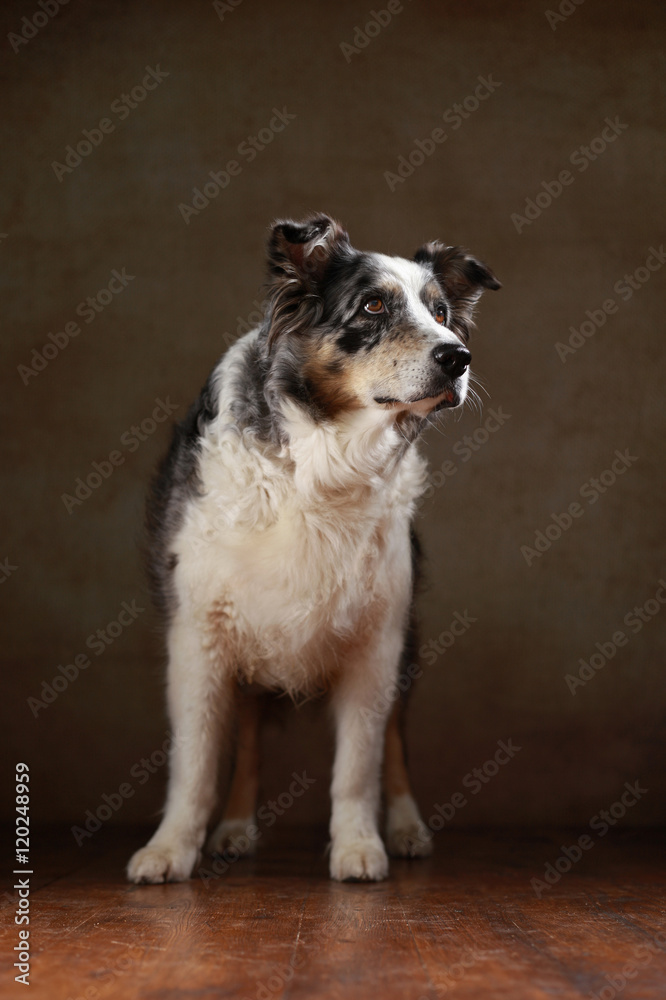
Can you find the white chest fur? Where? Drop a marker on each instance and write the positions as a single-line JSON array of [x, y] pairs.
[[289, 556]]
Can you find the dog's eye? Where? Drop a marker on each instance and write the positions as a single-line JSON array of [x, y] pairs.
[[374, 306], [440, 314]]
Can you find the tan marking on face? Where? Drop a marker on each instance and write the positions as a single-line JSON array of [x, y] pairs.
[[388, 290], [328, 379], [394, 367], [432, 293], [380, 371]]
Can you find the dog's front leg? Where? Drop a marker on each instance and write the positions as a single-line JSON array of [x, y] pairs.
[[200, 694], [361, 704]]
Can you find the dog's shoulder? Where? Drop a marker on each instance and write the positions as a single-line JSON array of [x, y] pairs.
[[178, 479]]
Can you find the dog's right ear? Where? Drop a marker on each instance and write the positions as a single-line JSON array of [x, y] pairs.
[[298, 255], [303, 249]]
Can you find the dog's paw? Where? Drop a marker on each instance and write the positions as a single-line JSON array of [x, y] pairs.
[[413, 841], [162, 862], [358, 859], [232, 835], [407, 836]]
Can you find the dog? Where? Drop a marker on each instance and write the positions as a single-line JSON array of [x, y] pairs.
[[280, 543]]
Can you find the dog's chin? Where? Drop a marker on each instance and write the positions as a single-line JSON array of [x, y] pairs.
[[447, 399]]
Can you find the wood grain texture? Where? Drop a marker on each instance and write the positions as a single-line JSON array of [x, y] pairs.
[[465, 924]]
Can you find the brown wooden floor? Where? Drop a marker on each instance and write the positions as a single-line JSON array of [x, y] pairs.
[[465, 924]]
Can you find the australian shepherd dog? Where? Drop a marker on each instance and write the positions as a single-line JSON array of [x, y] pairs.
[[280, 542]]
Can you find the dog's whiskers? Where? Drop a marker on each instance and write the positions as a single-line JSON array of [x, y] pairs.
[[478, 380]]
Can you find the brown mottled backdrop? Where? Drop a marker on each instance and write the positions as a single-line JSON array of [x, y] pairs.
[[551, 82]]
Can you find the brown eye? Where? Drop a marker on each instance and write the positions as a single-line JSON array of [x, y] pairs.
[[440, 314], [374, 306]]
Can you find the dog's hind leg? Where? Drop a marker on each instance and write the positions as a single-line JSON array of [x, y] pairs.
[[200, 698], [407, 836], [239, 814]]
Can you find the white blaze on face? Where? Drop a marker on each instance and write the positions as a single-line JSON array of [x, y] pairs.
[[412, 377], [413, 278]]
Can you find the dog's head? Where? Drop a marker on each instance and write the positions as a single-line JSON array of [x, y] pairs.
[[347, 329]]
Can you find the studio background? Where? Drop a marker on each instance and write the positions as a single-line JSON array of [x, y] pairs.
[[223, 73]]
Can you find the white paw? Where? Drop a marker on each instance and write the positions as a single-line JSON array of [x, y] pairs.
[[360, 858], [413, 841], [233, 835], [162, 862], [407, 836]]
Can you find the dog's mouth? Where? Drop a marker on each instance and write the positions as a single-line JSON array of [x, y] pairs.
[[440, 401]]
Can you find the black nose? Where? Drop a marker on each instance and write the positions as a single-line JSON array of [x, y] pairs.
[[453, 359]]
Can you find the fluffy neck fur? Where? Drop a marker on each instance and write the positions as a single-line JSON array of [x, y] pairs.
[[360, 462]]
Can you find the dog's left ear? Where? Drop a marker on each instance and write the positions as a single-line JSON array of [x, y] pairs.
[[463, 278], [299, 254]]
